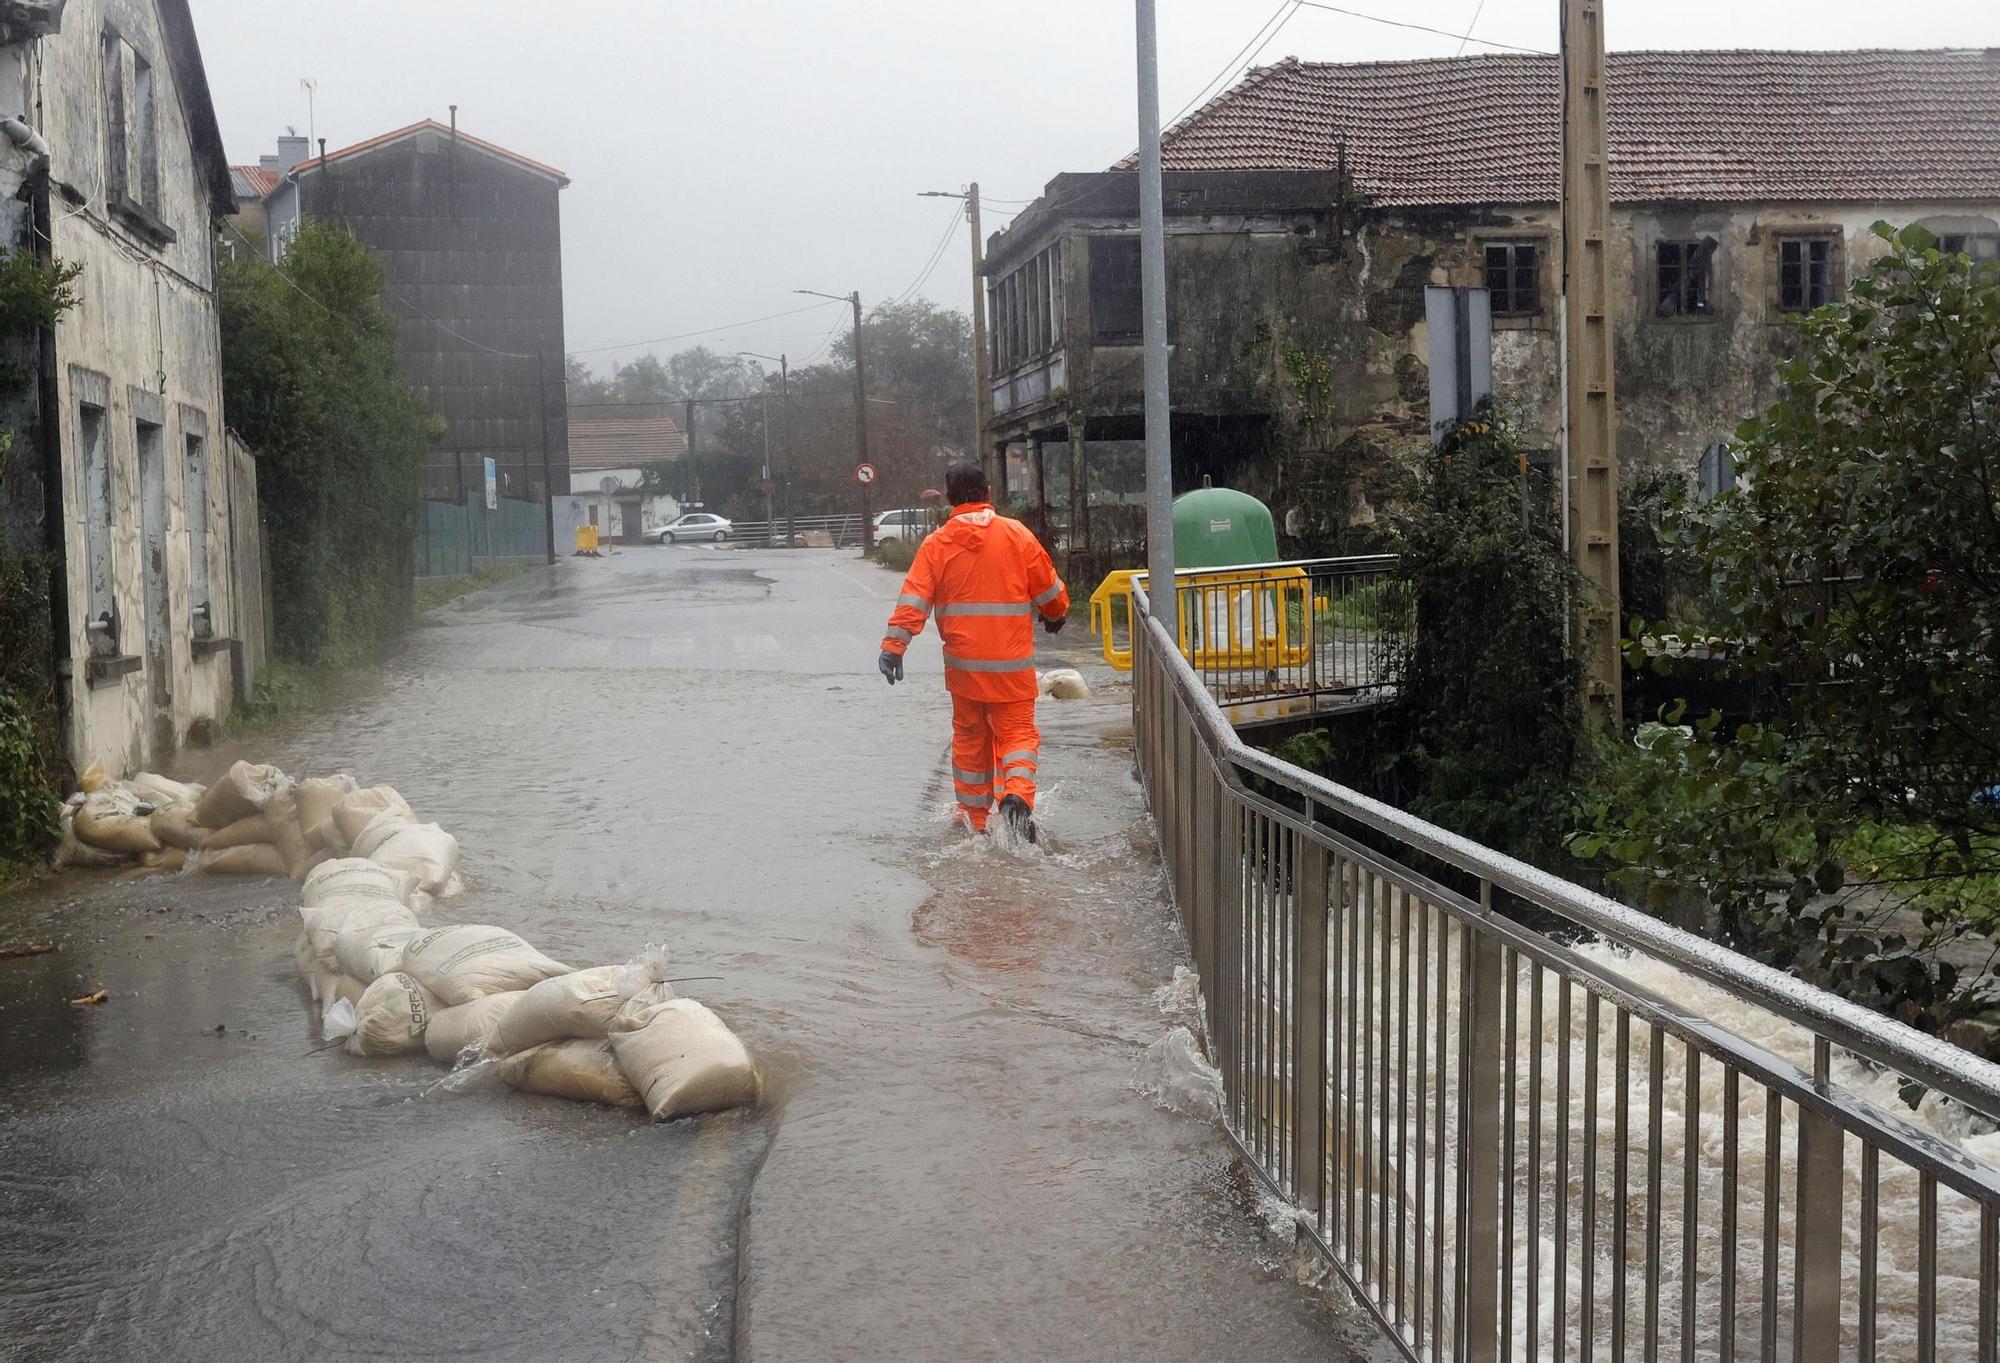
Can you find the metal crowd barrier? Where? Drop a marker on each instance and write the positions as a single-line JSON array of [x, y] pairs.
[[836, 532], [1596, 1138]]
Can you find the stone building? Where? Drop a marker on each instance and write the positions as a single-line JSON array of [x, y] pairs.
[[471, 236], [1309, 205], [120, 470]]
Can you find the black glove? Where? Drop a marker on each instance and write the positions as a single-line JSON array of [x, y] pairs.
[[891, 665], [1054, 623]]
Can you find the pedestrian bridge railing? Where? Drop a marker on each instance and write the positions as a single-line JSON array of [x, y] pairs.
[[1524, 1122], [1275, 641]]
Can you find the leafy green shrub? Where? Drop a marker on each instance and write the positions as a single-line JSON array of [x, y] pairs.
[[896, 555], [28, 802]]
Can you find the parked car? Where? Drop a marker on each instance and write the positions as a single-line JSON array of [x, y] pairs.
[[909, 523], [689, 526]]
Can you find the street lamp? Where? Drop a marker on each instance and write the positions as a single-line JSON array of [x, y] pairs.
[[982, 393], [860, 407], [785, 407]]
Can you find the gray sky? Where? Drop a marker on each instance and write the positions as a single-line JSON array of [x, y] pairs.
[[722, 154]]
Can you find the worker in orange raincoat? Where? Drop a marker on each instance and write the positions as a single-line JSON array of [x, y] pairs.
[[986, 578]]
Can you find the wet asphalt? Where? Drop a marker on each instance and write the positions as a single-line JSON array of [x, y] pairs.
[[681, 745]]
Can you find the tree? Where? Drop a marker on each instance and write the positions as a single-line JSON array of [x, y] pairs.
[[311, 380]]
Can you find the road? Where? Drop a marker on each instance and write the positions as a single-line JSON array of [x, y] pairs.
[[687, 745]]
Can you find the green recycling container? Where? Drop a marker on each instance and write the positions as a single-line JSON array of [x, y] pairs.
[[1219, 527]]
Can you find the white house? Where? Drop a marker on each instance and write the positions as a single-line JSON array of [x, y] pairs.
[[607, 465]]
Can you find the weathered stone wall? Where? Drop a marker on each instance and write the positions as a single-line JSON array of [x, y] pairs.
[[146, 337]]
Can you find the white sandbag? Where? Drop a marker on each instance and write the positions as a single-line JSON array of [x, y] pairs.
[[468, 1027], [328, 989], [282, 813], [116, 820], [1065, 683], [166, 861], [583, 1070], [74, 853], [179, 828], [239, 794], [391, 1017], [158, 791], [325, 921], [579, 1005], [256, 859], [358, 808], [681, 1057], [348, 877], [316, 799], [425, 850], [370, 945], [245, 832], [470, 960]]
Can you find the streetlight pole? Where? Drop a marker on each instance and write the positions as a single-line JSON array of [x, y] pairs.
[[1153, 288], [785, 408], [860, 408], [982, 391]]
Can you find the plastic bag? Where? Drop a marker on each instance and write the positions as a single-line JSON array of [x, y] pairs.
[[358, 808], [681, 1057], [162, 793], [179, 828], [352, 877], [468, 1026], [116, 820], [239, 794], [93, 779], [579, 1006], [469, 960], [583, 1070], [316, 799], [1065, 683], [391, 1017]]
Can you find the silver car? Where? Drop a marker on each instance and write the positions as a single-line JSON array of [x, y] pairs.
[[691, 526]]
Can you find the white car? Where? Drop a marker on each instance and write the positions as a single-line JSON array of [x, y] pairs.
[[910, 523], [691, 526]]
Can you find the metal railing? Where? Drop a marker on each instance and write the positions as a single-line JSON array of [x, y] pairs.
[[1603, 1139], [1277, 640], [837, 531]]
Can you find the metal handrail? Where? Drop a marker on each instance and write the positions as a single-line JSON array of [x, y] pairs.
[[1312, 948]]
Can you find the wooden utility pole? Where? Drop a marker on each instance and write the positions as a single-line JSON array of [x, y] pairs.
[[982, 396], [1590, 448]]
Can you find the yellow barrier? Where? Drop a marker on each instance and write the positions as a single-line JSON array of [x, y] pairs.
[[1229, 617], [586, 539]]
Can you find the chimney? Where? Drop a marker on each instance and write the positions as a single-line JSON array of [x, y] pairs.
[[267, 162], [291, 151]]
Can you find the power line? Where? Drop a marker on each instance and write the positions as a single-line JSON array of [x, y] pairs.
[[704, 331], [1477, 10], [937, 253], [1422, 28], [1279, 17]]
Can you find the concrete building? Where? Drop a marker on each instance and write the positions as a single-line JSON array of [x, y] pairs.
[[1309, 205], [121, 469], [608, 459], [471, 236]]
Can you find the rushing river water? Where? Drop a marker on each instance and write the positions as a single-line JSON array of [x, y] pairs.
[[679, 745]]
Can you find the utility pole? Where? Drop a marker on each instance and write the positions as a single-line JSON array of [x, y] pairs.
[[1590, 403], [982, 392], [1153, 286], [860, 407], [548, 487], [694, 469], [785, 408]]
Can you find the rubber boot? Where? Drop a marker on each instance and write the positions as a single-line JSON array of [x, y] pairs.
[[1015, 811]]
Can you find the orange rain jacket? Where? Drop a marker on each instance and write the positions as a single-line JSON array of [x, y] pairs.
[[985, 577]]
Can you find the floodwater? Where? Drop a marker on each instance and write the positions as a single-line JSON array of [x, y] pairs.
[[684, 745]]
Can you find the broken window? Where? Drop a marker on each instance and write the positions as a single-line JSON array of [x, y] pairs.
[[1513, 278], [145, 133], [1685, 273], [1116, 308], [194, 492], [1027, 311], [116, 155], [1805, 273], [1983, 247], [129, 103], [93, 436]]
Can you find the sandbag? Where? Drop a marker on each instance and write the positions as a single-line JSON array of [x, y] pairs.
[[281, 812], [325, 921], [243, 791], [579, 1005], [74, 853], [391, 1016], [1065, 683], [316, 798], [468, 1025], [358, 808], [583, 1070], [94, 779], [347, 877], [370, 945], [319, 858], [166, 861], [469, 960], [163, 793], [115, 820], [256, 859], [425, 850], [179, 828], [681, 1057], [245, 832], [328, 989]]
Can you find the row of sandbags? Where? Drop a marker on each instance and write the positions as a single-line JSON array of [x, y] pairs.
[[255, 820], [473, 995]]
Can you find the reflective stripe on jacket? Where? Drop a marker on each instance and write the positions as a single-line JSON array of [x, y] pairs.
[[984, 577]]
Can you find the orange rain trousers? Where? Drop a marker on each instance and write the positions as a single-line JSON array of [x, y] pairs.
[[995, 748]]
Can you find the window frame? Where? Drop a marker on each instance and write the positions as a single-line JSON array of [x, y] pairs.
[[196, 497], [1832, 291], [1513, 247], [98, 459], [1688, 302], [1102, 246]]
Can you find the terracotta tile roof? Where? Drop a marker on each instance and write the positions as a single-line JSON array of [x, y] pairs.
[[1861, 126], [623, 442], [252, 182], [428, 126]]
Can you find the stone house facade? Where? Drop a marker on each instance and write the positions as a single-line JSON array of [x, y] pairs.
[[121, 470], [1308, 207]]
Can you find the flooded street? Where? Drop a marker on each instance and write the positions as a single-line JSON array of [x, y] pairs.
[[678, 745]]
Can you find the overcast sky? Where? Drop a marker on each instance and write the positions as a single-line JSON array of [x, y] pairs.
[[723, 154]]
